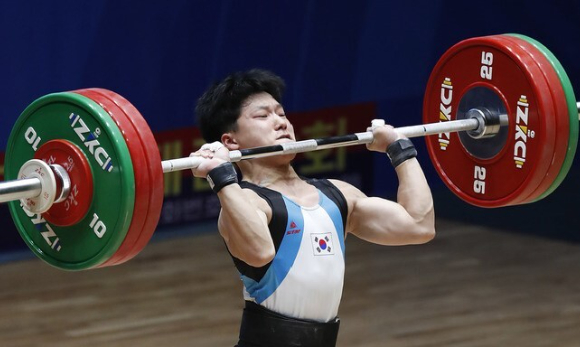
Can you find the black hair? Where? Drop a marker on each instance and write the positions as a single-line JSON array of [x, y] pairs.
[[218, 109]]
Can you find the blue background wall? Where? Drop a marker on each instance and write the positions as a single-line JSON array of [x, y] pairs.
[[161, 55]]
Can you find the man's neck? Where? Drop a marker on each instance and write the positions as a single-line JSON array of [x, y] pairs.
[[267, 174], [282, 179]]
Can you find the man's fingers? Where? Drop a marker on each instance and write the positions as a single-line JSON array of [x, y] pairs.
[[213, 147]]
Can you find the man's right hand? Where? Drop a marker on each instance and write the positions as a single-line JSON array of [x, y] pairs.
[[214, 154]]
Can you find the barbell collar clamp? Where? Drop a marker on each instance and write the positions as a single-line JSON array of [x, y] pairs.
[[490, 122], [64, 180]]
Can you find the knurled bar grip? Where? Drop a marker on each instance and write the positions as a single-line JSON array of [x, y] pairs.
[[325, 143]]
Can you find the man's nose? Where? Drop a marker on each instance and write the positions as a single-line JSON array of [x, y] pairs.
[[280, 122]]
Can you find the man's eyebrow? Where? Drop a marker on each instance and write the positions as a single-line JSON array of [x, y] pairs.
[[267, 107]]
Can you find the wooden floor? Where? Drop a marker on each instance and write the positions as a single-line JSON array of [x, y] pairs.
[[469, 287]]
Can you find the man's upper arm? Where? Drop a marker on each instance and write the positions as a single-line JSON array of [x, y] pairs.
[[378, 220], [227, 226]]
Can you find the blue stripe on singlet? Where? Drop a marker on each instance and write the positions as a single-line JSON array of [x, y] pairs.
[[283, 260], [334, 213]]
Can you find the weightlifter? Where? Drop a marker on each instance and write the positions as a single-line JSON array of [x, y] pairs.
[[286, 233]]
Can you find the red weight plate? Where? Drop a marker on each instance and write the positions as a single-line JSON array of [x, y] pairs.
[[78, 201], [153, 164], [561, 116], [516, 171], [142, 179]]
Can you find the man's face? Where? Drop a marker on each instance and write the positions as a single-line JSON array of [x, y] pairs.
[[262, 122]]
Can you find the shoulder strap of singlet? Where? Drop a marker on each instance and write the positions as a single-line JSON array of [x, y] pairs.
[[278, 206], [334, 194]]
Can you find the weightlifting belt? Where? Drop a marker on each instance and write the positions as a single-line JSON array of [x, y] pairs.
[[264, 328]]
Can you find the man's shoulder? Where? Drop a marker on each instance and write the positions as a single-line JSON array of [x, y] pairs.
[[339, 183], [347, 189]]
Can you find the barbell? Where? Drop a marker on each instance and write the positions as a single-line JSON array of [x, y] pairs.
[[85, 178]]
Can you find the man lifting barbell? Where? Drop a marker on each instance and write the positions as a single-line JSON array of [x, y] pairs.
[[88, 174], [286, 233], [87, 171]]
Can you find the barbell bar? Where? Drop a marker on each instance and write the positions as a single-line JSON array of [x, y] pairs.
[[329, 142], [20, 189], [32, 187], [501, 107]]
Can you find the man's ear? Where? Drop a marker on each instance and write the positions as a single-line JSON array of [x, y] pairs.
[[229, 141]]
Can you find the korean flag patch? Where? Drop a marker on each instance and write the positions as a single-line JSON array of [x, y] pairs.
[[322, 244]]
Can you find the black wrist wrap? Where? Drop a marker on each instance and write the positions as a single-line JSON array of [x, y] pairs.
[[401, 150], [221, 176]]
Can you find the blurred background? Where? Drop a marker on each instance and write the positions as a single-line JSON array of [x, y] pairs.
[[344, 63]]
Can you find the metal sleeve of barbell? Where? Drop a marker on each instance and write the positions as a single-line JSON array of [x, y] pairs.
[[19, 189]]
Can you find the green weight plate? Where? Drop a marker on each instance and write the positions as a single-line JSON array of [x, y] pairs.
[[79, 120], [572, 111]]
